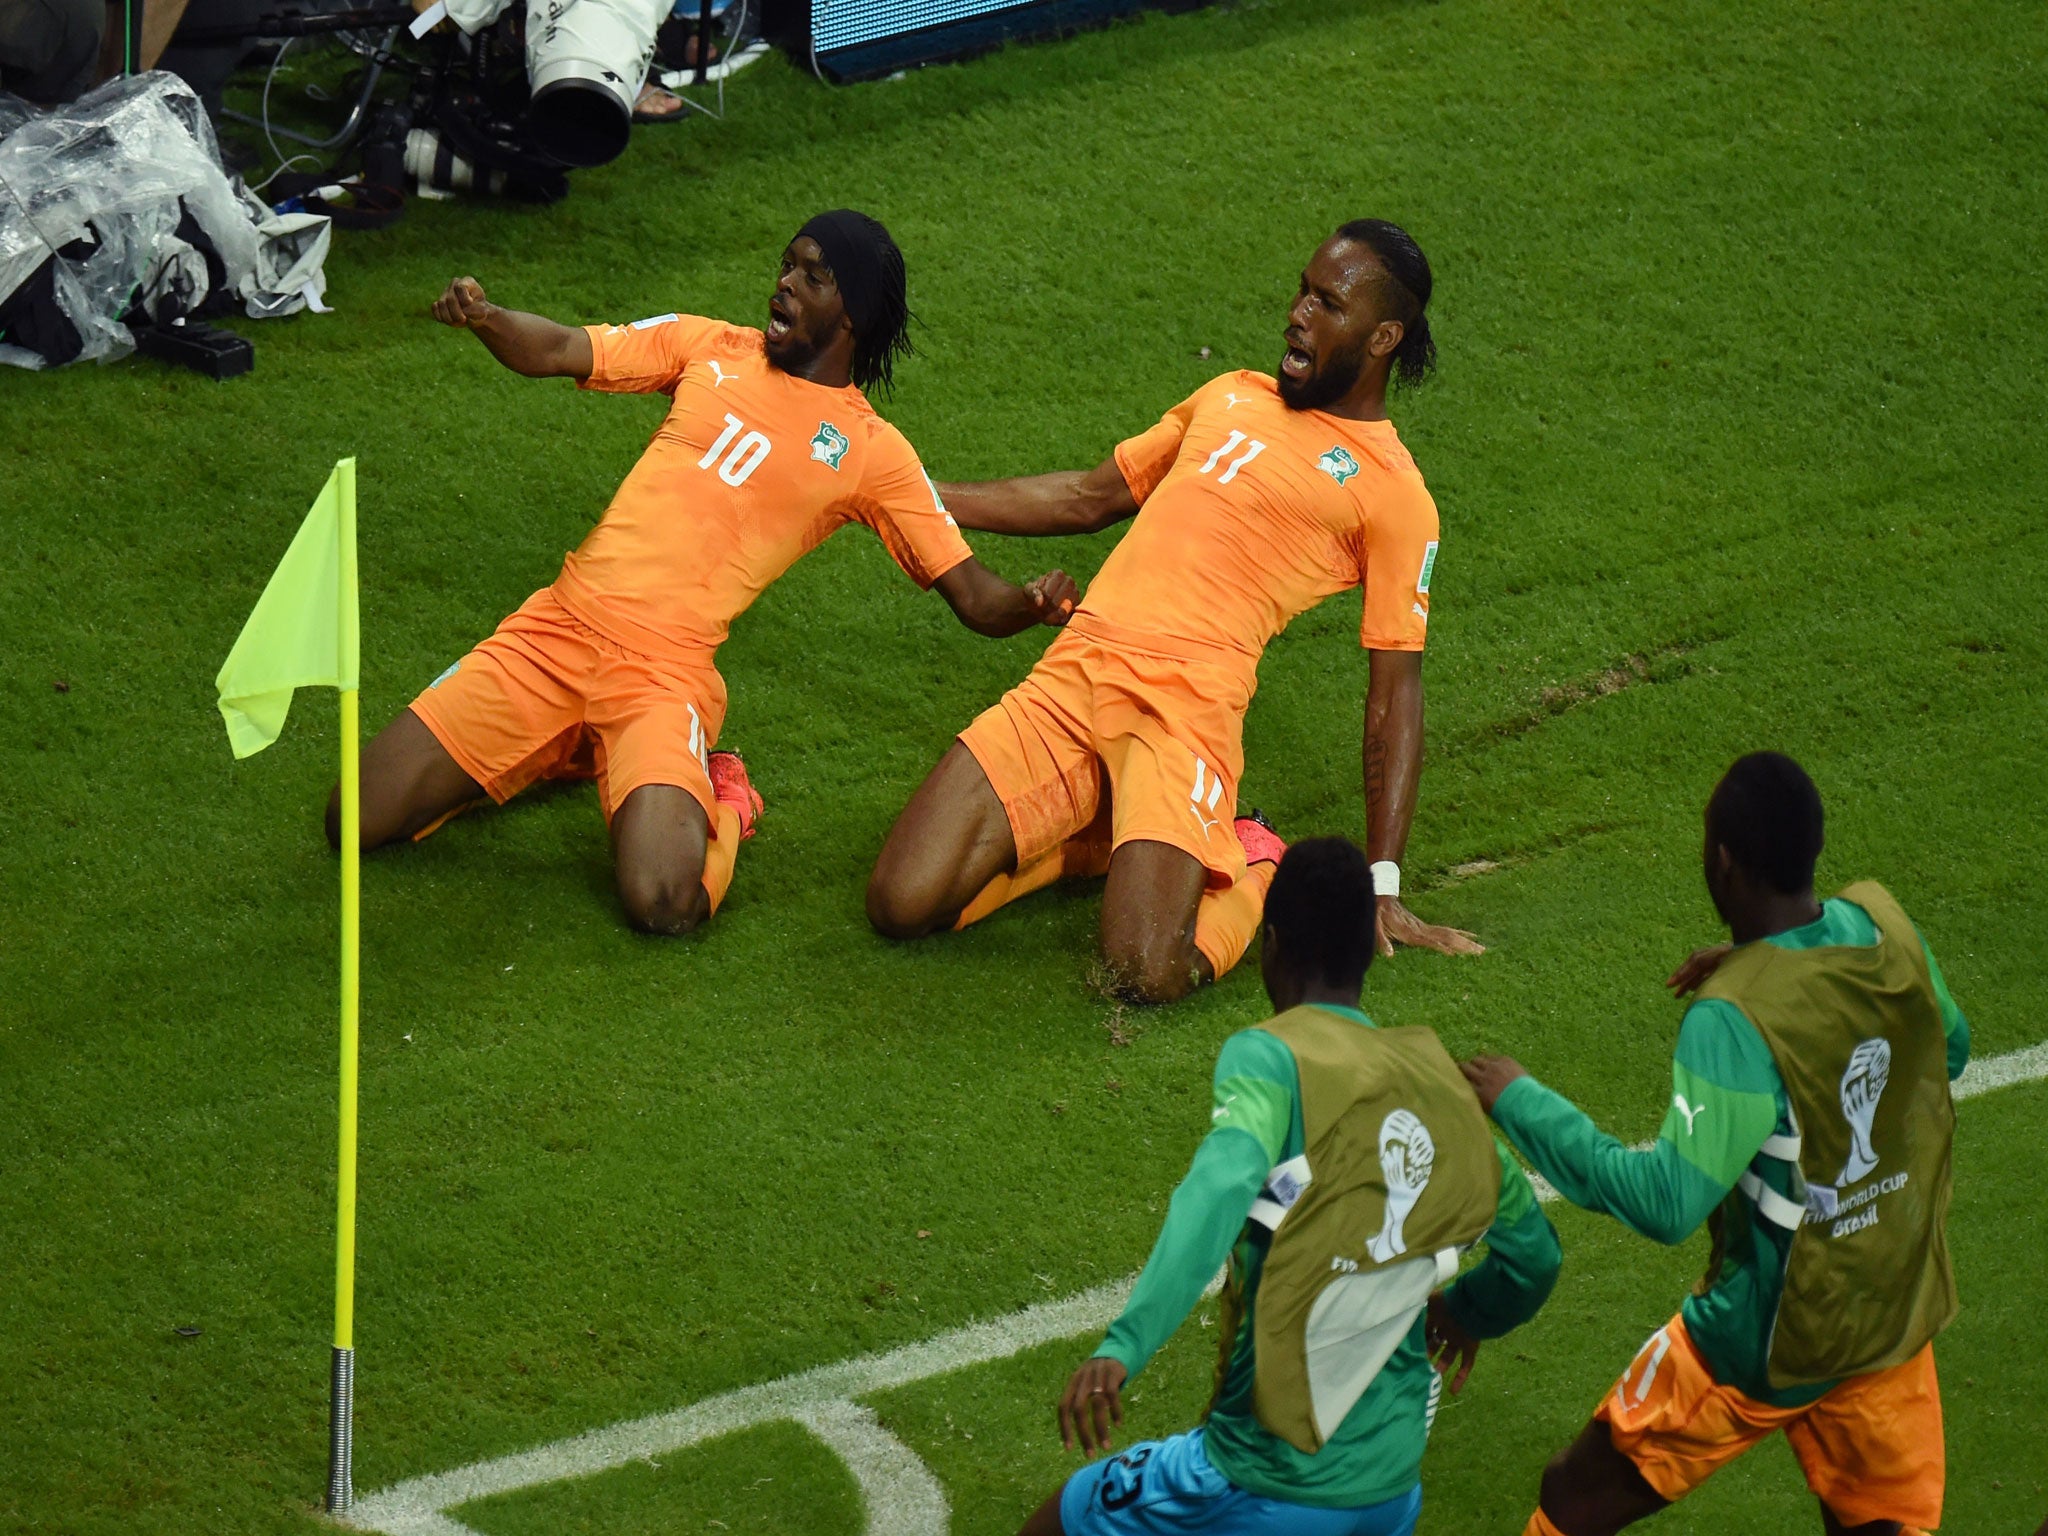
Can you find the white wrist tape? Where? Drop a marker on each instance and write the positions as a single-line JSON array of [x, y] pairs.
[[1386, 878]]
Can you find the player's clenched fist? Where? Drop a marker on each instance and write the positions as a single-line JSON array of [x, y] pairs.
[[463, 304], [1054, 595]]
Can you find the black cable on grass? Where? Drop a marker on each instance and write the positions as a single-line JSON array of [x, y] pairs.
[[1409, 288]]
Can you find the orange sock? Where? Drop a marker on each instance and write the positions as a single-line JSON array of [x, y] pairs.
[[719, 857], [1226, 920], [1086, 854], [1004, 889], [445, 817], [1540, 1525]]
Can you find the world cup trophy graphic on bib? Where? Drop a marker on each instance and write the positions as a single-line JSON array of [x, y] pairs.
[[1870, 1068], [1406, 1157]]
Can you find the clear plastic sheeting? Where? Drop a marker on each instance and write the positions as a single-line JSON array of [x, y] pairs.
[[111, 177]]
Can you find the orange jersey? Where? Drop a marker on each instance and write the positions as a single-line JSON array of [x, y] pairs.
[[751, 469], [1251, 513]]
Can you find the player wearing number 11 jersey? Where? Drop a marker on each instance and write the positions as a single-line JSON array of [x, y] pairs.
[[1255, 499], [769, 447]]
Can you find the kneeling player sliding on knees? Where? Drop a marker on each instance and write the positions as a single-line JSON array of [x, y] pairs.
[[1811, 1123], [770, 446], [1345, 1170], [1255, 498]]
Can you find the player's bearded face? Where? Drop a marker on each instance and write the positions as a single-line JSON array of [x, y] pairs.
[[805, 310], [1314, 375]]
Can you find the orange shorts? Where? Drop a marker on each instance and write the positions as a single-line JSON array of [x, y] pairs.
[[547, 697], [1160, 736], [1871, 1448]]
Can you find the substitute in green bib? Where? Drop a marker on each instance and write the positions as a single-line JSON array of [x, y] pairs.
[[1346, 1171], [1811, 1128]]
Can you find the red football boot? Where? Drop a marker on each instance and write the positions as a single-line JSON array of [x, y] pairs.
[[731, 787], [1260, 842]]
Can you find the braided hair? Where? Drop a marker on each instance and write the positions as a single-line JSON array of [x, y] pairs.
[[1408, 285]]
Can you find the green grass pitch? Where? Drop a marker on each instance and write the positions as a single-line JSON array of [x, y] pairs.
[[1737, 443]]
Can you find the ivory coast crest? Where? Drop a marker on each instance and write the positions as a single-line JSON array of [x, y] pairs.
[[830, 445]]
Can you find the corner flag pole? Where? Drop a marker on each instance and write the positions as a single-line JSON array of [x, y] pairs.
[[341, 1386]]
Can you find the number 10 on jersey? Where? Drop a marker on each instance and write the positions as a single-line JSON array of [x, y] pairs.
[[745, 456]]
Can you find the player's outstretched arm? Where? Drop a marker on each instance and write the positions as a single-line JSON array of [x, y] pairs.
[[1073, 501], [528, 344], [1393, 775], [991, 606]]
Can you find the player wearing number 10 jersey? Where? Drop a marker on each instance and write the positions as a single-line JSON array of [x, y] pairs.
[[1255, 499], [769, 447]]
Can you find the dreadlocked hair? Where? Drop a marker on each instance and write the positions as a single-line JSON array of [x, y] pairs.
[[885, 335], [1409, 284]]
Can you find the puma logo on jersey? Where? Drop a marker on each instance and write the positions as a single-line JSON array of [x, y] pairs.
[[1338, 465], [1689, 1111], [718, 374], [1231, 402], [1223, 1109]]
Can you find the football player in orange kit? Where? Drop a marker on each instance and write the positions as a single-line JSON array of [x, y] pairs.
[[1255, 498], [769, 447]]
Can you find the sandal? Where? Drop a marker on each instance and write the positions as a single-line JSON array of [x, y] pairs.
[[647, 107]]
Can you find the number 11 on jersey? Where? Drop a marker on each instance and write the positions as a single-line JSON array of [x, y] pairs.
[[1252, 450]]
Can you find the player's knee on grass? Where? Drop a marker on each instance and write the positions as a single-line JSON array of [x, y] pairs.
[[659, 837], [1149, 968], [664, 902], [901, 906]]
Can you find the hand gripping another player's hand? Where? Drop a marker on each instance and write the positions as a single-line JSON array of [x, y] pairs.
[[1092, 1403], [463, 305], [1398, 925], [1053, 595], [1447, 1341], [1694, 971]]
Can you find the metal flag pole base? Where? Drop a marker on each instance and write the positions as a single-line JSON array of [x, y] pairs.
[[341, 1393]]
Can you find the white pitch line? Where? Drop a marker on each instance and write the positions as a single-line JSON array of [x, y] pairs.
[[2029, 1065], [418, 1506], [901, 1496]]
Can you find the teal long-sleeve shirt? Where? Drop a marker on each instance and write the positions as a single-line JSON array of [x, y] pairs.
[[1726, 1100], [1255, 1124]]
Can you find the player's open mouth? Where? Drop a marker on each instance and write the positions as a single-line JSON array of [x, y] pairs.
[[779, 324], [1297, 364]]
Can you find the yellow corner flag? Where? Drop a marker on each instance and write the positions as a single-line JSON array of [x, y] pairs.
[[303, 631], [303, 634]]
